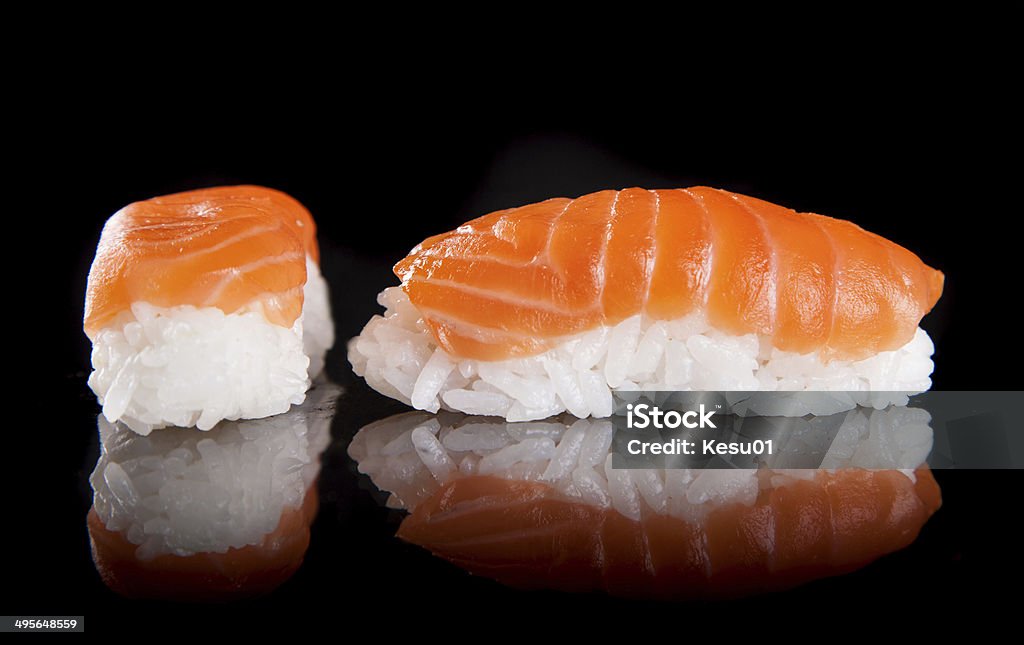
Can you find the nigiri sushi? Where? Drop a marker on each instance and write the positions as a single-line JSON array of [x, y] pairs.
[[540, 505], [532, 311], [206, 305]]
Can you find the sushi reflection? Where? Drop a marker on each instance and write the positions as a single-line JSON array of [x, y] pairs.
[[208, 516], [539, 505]]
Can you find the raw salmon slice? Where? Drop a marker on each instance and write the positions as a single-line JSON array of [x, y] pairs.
[[230, 247], [512, 283]]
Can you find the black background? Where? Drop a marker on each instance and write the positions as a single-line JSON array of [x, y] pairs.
[[915, 158]]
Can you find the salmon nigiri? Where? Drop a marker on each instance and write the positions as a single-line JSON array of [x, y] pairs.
[[540, 505], [206, 305], [532, 311]]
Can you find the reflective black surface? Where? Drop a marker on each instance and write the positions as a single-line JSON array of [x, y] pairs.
[[355, 566], [544, 505], [376, 188]]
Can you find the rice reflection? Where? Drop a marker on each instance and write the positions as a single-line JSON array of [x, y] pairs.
[[189, 515], [539, 504]]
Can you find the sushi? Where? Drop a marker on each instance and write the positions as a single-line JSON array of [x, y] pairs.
[[532, 311], [539, 504], [222, 514], [206, 305]]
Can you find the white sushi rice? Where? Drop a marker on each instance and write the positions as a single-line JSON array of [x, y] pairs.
[[195, 366], [411, 455], [184, 491], [317, 325], [398, 357], [187, 366]]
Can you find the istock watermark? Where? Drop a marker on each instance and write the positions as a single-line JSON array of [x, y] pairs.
[[643, 416]]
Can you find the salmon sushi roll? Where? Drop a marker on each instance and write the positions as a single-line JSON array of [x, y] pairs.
[[206, 305], [539, 505], [532, 311]]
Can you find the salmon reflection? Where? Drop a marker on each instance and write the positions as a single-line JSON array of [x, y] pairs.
[[208, 516], [538, 505]]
